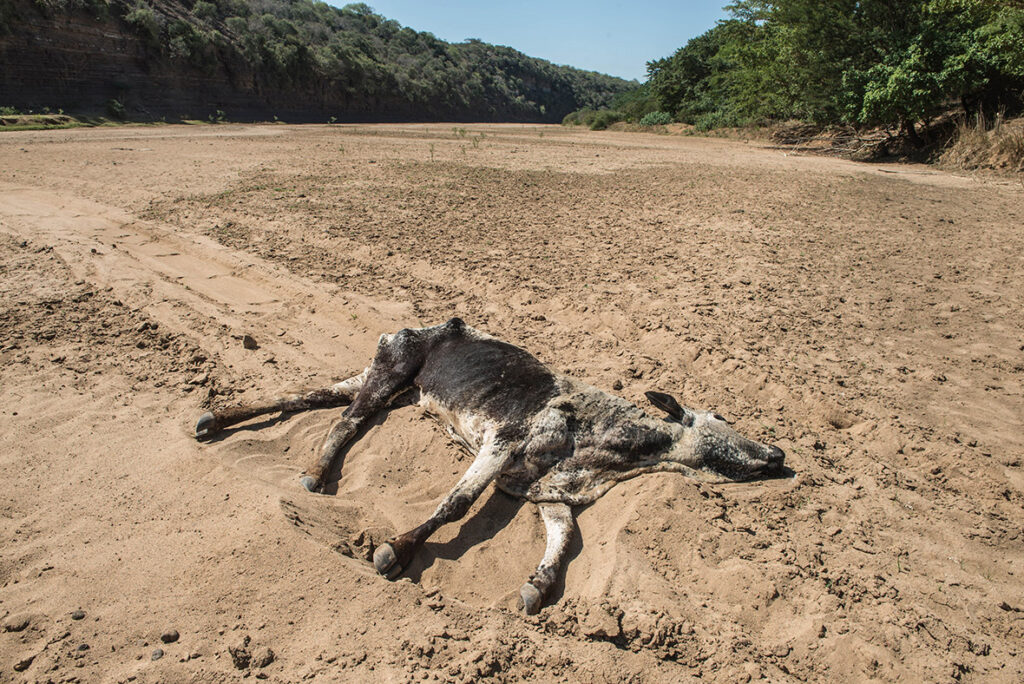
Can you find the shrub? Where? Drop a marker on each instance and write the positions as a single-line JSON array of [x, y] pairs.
[[204, 10], [595, 120], [146, 22], [581, 117], [237, 25], [656, 119], [716, 119], [115, 109], [7, 18], [605, 118]]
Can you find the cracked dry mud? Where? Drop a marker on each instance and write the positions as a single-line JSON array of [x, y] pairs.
[[866, 318]]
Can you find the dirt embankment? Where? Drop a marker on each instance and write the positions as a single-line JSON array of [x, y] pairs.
[[867, 319]]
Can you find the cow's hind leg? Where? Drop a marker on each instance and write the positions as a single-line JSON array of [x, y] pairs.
[[342, 393], [394, 556], [558, 523]]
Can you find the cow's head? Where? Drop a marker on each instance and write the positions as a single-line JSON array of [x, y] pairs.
[[716, 447]]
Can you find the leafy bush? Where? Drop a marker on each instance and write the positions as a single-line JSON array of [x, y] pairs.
[[716, 119], [237, 25], [115, 109], [594, 119], [146, 22], [8, 17], [605, 118], [581, 117], [204, 10], [656, 119]]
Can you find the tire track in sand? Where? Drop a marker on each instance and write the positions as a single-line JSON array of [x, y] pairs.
[[193, 285]]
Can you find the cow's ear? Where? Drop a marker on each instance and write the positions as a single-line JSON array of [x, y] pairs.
[[667, 403]]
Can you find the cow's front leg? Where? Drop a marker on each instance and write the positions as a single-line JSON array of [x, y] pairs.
[[394, 556], [558, 523], [383, 382], [212, 422]]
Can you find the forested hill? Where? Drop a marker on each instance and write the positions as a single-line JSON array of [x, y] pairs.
[[298, 60]]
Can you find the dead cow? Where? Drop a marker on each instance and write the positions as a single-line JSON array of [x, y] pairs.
[[540, 436]]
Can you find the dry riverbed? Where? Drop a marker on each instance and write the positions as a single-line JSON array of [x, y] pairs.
[[869, 319]]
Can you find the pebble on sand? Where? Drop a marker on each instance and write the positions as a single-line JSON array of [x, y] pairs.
[[16, 623], [263, 657], [158, 653], [78, 615], [240, 654], [170, 636], [249, 342]]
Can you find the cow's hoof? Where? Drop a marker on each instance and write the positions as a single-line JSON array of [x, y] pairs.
[[386, 562], [311, 484], [206, 426], [530, 599]]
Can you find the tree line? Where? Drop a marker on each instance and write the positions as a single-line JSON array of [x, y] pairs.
[[893, 63]]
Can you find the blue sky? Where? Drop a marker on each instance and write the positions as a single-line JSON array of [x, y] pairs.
[[612, 37]]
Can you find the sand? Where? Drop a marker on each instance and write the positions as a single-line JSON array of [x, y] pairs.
[[868, 319]]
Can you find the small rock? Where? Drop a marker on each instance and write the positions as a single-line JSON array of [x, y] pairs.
[[158, 653], [240, 654], [170, 636], [16, 623], [781, 651], [83, 647], [599, 624], [23, 664], [263, 658], [200, 379], [617, 385], [249, 342], [78, 615]]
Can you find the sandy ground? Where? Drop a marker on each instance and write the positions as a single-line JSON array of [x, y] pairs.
[[868, 319]]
